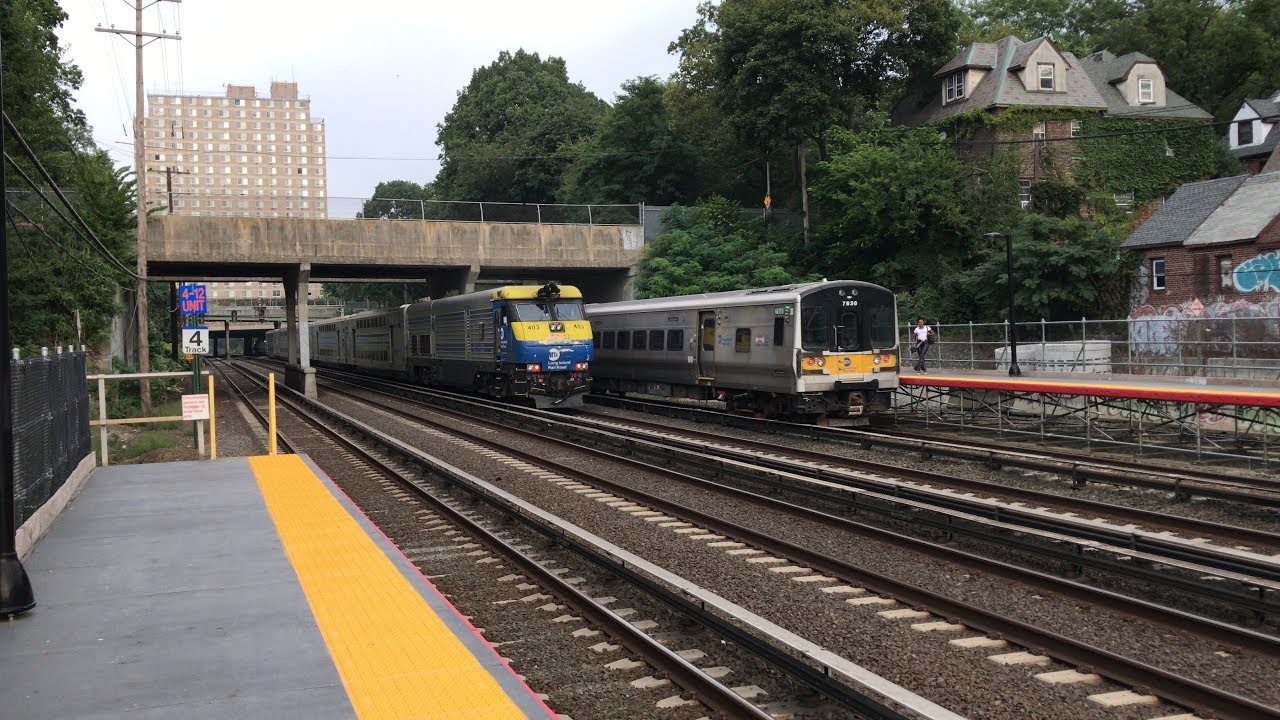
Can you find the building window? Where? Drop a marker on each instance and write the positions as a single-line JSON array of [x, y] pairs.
[[1046, 76], [1157, 273], [1038, 132], [1076, 127], [1244, 132], [1224, 271], [953, 86], [1146, 90], [1024, 193]]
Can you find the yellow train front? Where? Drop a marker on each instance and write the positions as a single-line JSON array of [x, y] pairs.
[[516, 342]]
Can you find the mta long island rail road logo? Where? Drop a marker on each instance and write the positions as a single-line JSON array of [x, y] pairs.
[[559, 358]]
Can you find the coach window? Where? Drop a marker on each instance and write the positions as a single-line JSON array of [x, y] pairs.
[[1157, 273], [675, 339], [595, 340], [655, 339], [624, 340], [608, 340], [637, 339], [709, 334], [777, 331], [413, 344], [742, 340]]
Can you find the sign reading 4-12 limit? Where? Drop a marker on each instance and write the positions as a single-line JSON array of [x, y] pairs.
[[195, 340], [193, 300]]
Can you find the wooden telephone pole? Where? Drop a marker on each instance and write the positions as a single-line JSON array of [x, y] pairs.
[[139, 161]]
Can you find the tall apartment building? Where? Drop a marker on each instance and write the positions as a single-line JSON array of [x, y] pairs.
[[237, 154]]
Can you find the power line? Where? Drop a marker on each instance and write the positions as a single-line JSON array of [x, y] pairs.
[[60, 246], [26, 149]]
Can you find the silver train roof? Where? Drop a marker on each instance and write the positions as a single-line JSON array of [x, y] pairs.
[[731, 298]]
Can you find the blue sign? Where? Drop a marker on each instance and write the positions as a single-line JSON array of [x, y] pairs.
[[193, 300]]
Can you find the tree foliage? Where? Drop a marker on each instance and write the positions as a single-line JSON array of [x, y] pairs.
[[713, 247], [53, 270], [786, 70], [634, 156], [503, 140], [1064, 269]]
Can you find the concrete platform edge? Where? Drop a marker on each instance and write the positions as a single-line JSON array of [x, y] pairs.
[[35, 527]]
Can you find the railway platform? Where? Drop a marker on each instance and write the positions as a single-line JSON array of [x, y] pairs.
[[1187, 418], [239, 588]]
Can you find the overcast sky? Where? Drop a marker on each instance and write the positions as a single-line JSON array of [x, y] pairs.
[[381, 73]]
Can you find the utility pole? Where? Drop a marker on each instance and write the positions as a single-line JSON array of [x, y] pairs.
[[169, 172], [804, 192], [139, 162]]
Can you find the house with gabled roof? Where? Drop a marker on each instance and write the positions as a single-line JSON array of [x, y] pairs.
[[1212, 249], [986, 81], [1254, 132]]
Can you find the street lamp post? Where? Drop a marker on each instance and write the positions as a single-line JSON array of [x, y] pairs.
[[1014, 370]]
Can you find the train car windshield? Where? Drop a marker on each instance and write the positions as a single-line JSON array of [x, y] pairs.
[[542, 310], [847, 320]]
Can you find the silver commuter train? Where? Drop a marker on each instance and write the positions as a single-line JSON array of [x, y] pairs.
[[808, 351]]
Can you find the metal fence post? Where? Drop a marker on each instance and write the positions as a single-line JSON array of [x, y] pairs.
[[589, 220], [1234, 359], [422, 210], [481, 204], [971, 362], [1043, 339], [539, 207]]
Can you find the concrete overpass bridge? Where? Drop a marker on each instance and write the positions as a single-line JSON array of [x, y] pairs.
[[449, 255]]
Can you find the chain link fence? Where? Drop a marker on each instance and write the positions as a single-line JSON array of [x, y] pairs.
[[50, 425], [1232, 347]]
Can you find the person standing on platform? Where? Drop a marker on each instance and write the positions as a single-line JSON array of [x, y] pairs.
[[924, 338]]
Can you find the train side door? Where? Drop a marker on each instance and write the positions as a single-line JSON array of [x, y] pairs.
[[706, 345]]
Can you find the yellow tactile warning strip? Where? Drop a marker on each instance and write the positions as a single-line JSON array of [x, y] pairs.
[[396, 656]]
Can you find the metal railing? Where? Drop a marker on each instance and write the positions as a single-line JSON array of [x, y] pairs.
[[1230, 347], [490, 212]]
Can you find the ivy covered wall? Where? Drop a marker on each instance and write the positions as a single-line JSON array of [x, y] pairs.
[[1149, 164]]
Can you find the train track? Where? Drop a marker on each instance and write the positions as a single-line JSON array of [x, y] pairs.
[[1175, 688], [1183, 482], [389, 456]]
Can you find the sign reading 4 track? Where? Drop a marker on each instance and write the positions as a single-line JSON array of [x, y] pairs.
[[195, 340]]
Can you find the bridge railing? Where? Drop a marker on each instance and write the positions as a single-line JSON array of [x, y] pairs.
[[490, 212]]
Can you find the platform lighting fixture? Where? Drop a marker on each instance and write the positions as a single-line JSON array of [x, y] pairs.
[[1014, 370]]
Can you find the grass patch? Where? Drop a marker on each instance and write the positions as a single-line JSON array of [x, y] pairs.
[[141, 444]]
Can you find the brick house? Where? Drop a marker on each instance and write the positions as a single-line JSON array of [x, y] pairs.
[[997, 77], [1212, 251], [1253, 135]]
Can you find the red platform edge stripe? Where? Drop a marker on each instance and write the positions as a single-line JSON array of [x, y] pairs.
[[1175, 394]]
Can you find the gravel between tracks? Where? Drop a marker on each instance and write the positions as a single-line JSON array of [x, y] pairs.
[[958, 679]]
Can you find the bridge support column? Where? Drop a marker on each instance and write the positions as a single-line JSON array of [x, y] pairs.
[[226, 330], [443, 283], [299, 375]]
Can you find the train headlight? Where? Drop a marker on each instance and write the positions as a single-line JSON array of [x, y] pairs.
[[875, 359], [535, 367], [580, 366], [822, 362]]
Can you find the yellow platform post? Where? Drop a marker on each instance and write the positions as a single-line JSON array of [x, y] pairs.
[[213, 424], [271, 410]]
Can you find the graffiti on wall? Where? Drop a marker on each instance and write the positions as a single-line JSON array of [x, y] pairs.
[[1258, 273], [1162, 330]]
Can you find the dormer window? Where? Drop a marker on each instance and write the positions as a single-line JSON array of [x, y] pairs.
[[1046, 76], [953, 87], [1146, 90], [1244, 132]]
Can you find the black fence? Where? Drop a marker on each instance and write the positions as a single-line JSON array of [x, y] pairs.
[[50, 426]]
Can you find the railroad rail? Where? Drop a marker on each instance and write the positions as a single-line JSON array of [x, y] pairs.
[[1177, 689]]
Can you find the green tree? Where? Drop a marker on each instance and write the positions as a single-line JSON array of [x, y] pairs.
[[902, 209], [634, 156], [712, 247], [1071, 24], [1064, 269], [54, 271], [789, 69], [503, 140]]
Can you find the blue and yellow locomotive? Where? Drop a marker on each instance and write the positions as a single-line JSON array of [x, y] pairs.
[[515, 342]]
